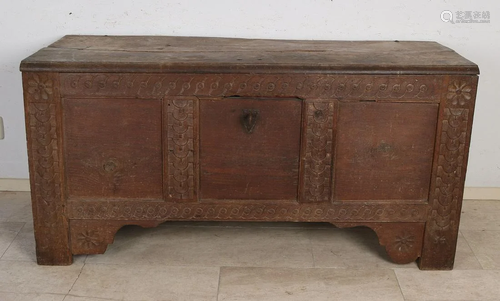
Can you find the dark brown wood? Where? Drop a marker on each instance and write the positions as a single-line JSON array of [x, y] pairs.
[[93, 237], [448, 175], [42, 107], [115, 151], [259, 161], [180, 148], [142, 130], [402, 241], [317, 151], [384, 151], [139, 210]]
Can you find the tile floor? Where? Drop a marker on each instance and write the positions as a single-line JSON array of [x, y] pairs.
[[247, 261]]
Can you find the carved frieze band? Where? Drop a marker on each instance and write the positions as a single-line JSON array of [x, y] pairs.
[[182, 149], [162, 211], [41, 95], [318, 152], [270, 85]]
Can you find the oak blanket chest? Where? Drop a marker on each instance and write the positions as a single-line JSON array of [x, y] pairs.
[[138, 130]]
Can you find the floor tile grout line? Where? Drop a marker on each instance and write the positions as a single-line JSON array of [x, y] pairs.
[[18, 260], [97, 298], [34, 293], [218, 284], [472, 250], [480, 230], [311, 249], [78, 277], [399, 284], [203, 266], [244, 266], [10, 244]]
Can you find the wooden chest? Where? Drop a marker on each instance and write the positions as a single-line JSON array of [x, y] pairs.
[[141, 130]]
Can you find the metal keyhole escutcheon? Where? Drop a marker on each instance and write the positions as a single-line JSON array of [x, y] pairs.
[[249, 119]]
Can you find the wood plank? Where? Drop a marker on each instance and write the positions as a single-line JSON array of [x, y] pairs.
[[384, 151], [113, 148], [176, 54], [257, 164]]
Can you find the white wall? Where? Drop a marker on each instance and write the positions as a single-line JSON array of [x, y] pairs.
[[27, 25]]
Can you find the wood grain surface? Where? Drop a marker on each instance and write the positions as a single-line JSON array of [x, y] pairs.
[[139, 130], [113, 148], [181, 54], [258, 165], [384, 151]]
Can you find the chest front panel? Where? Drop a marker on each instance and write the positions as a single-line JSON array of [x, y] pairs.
[[303, 146]]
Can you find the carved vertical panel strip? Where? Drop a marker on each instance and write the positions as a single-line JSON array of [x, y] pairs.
[[317, 152], [181, 147], [449, 169], [41, 96]]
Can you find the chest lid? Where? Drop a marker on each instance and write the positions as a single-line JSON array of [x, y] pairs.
[[83, 53]]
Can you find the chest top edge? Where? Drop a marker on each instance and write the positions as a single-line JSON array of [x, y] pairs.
[[161, 54]]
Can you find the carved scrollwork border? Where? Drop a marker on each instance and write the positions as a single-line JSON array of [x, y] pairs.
[[163, 211], [318, 86]]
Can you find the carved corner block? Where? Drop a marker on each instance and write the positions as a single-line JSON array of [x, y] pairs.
[[94, 236], [448, 176], [402, 241]]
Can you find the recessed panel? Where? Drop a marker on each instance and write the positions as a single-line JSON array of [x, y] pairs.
[[113, 148], [249, 148], [384, 150]]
